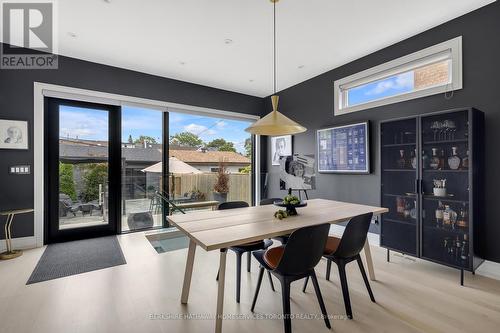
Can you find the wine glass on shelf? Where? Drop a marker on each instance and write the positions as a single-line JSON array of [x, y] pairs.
[[435, 126]]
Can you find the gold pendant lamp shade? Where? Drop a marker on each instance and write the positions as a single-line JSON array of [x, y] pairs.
[[275, 123]]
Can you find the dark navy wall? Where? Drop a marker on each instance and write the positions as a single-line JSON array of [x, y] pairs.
[[311, 104], [16, 102]]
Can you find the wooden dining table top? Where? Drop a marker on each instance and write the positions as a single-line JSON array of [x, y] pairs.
[[213, 230]]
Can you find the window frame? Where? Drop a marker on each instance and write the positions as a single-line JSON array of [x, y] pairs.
[[450, 49]]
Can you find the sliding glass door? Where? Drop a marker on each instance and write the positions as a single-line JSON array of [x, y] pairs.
[[83, 165], [113, 169]]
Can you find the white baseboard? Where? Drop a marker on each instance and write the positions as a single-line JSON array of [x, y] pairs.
[[21, 243], [488, 269]]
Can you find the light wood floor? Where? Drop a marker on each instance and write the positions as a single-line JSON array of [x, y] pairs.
[[412, 296]]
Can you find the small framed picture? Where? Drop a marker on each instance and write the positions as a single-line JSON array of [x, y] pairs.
[[13, 134], [280, 146]]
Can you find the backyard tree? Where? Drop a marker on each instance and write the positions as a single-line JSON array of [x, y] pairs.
[[221, 145], [94, 174], [248, 147], [145, 138], [66, 180], [186, 139]]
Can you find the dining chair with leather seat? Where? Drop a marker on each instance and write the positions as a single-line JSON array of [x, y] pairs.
[[346, 249], [269, 201], [244, 248], [294, 261]]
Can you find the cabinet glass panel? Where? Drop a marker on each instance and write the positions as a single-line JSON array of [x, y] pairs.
[[399, 172], [445, 188]]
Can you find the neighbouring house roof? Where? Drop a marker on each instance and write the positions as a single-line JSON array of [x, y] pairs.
[[81, 154], [209, 157], [175, 166]]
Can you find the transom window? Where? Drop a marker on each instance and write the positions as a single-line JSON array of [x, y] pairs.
[[434, 70]]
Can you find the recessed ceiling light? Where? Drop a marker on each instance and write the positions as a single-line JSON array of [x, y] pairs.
[[107, 1], [182, 63], [300, 66], [228, 41], [251, 80], [71, 34]]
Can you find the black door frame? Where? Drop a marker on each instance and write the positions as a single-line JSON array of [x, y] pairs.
[[52, 234]]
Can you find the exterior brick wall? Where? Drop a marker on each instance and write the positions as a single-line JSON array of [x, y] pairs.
[[431, 75]]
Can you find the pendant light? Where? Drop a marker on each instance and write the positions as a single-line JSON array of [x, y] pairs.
[[275, 123]]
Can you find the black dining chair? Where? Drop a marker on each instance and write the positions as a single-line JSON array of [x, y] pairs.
[[293, 261], [346, 249], [248, 248], [269, 201]]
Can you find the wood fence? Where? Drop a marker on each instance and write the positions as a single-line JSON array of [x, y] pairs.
[[239, 185]]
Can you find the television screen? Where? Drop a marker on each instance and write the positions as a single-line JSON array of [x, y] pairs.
[[344, 149]]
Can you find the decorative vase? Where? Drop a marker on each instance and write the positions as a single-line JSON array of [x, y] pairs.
[[220, 197]]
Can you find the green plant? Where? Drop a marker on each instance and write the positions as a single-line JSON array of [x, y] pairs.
[[247, 169], [94, 174], [222, 182], [222, 145], [281, 214], [186, 139], [66, 180]]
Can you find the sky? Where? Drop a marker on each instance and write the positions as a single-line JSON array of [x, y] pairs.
[[92, 124], [390, 86]]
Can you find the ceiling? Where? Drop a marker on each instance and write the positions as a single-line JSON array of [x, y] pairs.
[[188, 39]]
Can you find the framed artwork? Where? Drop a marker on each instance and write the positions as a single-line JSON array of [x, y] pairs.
[[13, 134], [297, 172], [280, 146], [344, 149]]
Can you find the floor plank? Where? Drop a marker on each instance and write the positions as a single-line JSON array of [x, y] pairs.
[[144, 296]]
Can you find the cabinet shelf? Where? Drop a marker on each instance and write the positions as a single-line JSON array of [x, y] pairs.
[[446, 199], [411, 222], [448, 231], [399, 145], [443, 142], [463, 171]]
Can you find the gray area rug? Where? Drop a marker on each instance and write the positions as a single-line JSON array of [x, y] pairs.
[[65, 259]]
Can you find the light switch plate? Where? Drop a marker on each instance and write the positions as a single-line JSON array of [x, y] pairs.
[[20, 170]]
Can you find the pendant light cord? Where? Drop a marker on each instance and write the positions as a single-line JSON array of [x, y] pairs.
[[274, 44]]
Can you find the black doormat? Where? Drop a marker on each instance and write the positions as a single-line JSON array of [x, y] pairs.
[[65, 259]]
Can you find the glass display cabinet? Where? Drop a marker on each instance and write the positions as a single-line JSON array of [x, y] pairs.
[[432, 182]]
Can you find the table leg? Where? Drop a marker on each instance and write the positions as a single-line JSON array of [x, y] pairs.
[[188, 272], [369, 261], [220, 291], [6, 233]]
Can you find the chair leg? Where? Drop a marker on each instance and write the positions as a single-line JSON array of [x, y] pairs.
[[285, 295], [320, 299], [257, 289], [249, 260], [305, 284], [345, 289], [270, 280], [238, 276], [328, 269], [217, 277], [363, 273]]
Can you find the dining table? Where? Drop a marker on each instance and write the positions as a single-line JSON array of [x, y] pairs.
[[221, 229]]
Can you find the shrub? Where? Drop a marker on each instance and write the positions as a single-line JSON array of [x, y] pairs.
[[94, 174], [66, 180], [222, 182]]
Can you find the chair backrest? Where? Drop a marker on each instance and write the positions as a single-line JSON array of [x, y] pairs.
[[269, 201], [354, 236], [303, 250], [232, 204]]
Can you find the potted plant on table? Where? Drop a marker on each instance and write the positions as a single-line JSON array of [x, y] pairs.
[[221, 186]]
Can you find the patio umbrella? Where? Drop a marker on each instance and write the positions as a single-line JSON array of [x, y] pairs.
[[175, 166]]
